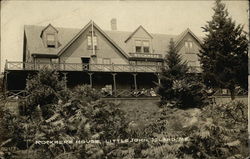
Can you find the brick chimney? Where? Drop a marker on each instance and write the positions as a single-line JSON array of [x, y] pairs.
[[113, 24]]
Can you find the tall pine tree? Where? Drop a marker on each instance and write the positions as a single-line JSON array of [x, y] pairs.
[[173, 70], [224, 52], [178, 86]]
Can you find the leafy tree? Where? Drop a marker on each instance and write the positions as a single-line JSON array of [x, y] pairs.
[[224, 52], [45, 88], [178, 86]]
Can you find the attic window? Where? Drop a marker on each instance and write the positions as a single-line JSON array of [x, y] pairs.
[[90, 42], [142, 46], [51, 40], [189, 47]]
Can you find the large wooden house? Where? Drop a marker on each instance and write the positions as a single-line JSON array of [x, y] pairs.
[[113, 59]]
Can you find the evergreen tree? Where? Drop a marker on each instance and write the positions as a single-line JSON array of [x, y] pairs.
[[179, 87], [224, 52], [173, 69]]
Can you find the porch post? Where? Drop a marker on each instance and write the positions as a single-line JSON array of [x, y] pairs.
[[159, 79], [6, 65], [135, 82], [65, 80], [35, 66], [90, 80], [64, 66], [6, 84], [114, 80]]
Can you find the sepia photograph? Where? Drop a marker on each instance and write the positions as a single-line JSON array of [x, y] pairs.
[[124, 79]]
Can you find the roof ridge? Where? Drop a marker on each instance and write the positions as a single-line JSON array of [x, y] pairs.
[[116, 31]]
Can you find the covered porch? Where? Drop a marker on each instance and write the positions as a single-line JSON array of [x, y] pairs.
[[111, 84]]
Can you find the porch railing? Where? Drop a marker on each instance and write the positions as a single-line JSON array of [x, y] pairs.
[[10, 65], [119, 93], [16, 94], [81, 67], [123, 93], [145, 55]]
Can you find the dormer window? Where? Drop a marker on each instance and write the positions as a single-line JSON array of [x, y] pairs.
[[51, 40], [142, 46], [189, 46], [49, 36]]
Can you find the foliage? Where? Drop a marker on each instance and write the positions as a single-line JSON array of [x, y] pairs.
[[86, 93], [63, 116], [217, 134], [224, 52], [45, 88], [215, 131], [179, 87]]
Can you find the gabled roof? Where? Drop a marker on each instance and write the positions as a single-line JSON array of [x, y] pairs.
[[131, 35], [66, 36], [183, 34], [100, 30], [46, 28]]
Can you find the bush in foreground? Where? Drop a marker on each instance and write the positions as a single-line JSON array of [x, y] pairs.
[[218, 131], [56, 114]]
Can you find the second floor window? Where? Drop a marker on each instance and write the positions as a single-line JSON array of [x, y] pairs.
[[189, 47], [138, 47], [142, 46], [145, 46], [90, 40]]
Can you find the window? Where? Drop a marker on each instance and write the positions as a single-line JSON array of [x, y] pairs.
[[51, 46], [145, 46], [90, 40], [189, 47], [142, 46], [51, 40], [138, 46], [51, 37]]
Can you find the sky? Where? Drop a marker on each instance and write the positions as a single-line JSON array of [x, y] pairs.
[[166, 17]]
